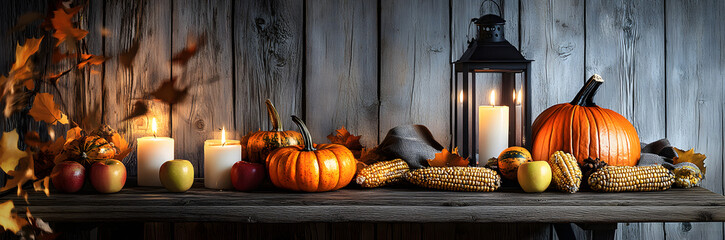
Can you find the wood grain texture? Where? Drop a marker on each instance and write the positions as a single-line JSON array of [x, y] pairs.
[[268, 56], [210, 104], [342, 68], [415, 68], [148, 24], [624, 45], [552, 34], [695, 94]]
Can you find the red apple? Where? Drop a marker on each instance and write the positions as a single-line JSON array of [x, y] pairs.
[[247, 176], [68, 176], [108, 175]]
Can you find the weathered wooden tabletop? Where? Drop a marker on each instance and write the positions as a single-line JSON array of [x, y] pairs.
[[398, 204]]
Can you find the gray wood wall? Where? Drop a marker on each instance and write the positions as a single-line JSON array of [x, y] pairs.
[[372, 65]]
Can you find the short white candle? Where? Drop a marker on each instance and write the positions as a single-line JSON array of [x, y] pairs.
[[151, 153], [219, 157], [493, 130]]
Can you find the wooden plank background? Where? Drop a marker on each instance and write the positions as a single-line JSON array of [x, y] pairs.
[[372, 65]]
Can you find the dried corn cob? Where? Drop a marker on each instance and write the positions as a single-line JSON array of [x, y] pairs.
[[565, 171], [472, 179], [382, 173], [687, 175], [627, 178]]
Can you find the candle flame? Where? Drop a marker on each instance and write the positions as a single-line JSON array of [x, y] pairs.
[[492, 98], [520, 97], [224, 140], [154, 127], [514, 93], [460, 97]]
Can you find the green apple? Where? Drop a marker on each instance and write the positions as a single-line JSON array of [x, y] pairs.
[[177, 175], [534, 176]]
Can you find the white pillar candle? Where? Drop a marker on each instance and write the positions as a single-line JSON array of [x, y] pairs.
[[493, 130], [151, 153], [219, 157]]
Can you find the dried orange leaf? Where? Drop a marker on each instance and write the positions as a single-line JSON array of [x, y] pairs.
[[343, 137], [23, 173], [42, 186], [23, 52], [89, 59], [73, 134], [64, 28], [170, 94], [9, 152], [44, 109], [692, 157], [8, 219], [448, 159]]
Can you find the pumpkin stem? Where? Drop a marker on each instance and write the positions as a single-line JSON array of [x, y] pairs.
[[305, 134], [586, 94], [274, 117]]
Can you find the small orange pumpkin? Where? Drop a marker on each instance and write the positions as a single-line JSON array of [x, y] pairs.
[[257, 145], [511, 159], [311, 168], [586, 131]]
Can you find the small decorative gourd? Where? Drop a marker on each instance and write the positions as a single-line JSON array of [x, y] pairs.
[[86, 150], [257, 145], [310, 167]]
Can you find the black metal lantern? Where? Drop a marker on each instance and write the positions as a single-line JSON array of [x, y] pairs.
[[490, 54]]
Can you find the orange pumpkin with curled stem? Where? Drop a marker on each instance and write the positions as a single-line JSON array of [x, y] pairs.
[[257, 145], [310, 167], [586, 131]]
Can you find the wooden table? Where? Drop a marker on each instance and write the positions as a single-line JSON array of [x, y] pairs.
[[145, 204]]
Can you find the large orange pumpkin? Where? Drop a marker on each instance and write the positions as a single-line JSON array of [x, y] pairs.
[[586, 130], [311, 168], [257, 145]]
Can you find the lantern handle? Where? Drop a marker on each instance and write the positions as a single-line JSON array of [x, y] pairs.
[[498, 7], [468, 31]]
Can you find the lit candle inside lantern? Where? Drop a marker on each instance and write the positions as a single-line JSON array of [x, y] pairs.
[[219, 157], [151, 153], [493, 127]]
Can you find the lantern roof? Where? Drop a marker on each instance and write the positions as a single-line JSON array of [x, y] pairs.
[[479, 52], [490, 19]]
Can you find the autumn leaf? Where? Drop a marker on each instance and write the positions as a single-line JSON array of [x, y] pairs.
[[32, 138], [42, 186], [23, 173], [9, 152], [61, 21], [139, 109], [25, 20], [168, 93], [343, 137], [73, 134], [127, 57], [15, 101], [89, 59], [44, 109], [192, 47], [448, 159], [692, 157], [9, 219], [23, 52]]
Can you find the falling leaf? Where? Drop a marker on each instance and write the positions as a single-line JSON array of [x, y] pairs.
[[23, 173], [448, 159], [105, 32], [169, 94], [127, 57], [15, 101], [61, 21], [29, 84], [23, 52], [44, 109], [139, 109], [42, 186], [73, 134], [192, 47], [25, 20], [9, 152], [89, 59], [32, 138], [692, 157], [343, 137], [9, 219]]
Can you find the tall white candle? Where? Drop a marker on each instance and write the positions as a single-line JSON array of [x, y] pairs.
[[493, 130], [219, 157], [151, 153]]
